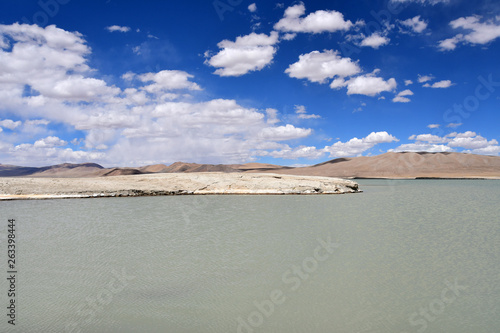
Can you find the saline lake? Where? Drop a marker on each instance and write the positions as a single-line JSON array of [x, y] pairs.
[[404, 256]]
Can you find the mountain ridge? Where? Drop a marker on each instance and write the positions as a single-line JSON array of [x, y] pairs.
[[387, 165]]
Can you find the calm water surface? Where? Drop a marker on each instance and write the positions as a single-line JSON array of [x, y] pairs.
[[404, 256]]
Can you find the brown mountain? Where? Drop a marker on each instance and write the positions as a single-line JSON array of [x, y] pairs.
[[153, 168], [405, 165], [388, 165], [194, 167], [59, 170]]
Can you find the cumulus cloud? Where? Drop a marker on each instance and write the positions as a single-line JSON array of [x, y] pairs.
[[248, 53], [428, 138], [375, 41], [317, 22], [357, 146], [45, 77], [450, 43], [10, 124], [439, 84], [454, 125], [319, 66], [400, 97], [300, 110], [368, 84], [252, 8], [422, 146], [470, 141], [289, 36], [352, 147], [286, 152], [118, 28], [167, 80], [408, 82], [52, 63], [425, 78], [415, 24], [433, 126], [30, 154], [423, 2], [478, 31], [49, 142], [281, 133], [272, 116]]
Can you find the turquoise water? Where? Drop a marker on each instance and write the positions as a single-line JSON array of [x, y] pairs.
[[404, 256]]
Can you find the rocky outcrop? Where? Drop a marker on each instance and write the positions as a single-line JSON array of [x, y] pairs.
[[171, 184]]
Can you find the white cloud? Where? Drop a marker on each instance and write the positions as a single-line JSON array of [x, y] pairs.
[[375, 41], [400, 97], [428, 138], [423, 2], [469, 140], [433, 126], [482, 33], [36, 122], [357, 146], [153, 120], [300, 109], [319, 66], [454, 125], [474, 142], [49, 142], [415, 24], [52, 63], [272, 116], [289, 36], [478, 32], [450, 43], [298, 152], [252, 8], [114, 28], [489, 150], [439, 84], [10, 124], [353, 147], [317, 22], [425, 78], [302, 113], [422, 146], [281, 133], [248, 53], [408, 82], [167, 80], [28, 154], [368, 84]]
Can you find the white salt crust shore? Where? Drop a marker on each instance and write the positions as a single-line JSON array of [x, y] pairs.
[[203, 183]]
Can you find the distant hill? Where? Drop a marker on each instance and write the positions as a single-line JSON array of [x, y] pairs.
[[59, 170], [194, 167], [405, 165], [388, 165]]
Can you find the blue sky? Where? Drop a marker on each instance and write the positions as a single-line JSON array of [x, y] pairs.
[[232, 81]]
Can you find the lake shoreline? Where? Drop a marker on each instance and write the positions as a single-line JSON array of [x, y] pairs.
[[209, 183]]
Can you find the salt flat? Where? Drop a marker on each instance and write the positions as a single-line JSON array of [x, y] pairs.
[[171, 184]]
